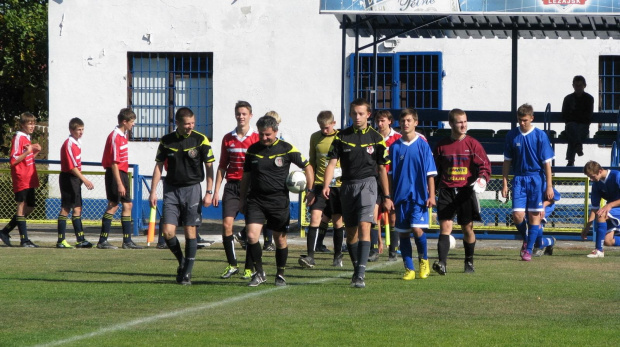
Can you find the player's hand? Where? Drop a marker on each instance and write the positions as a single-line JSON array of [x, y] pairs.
[[504, 191], [431, 201], [380, 246], [206, 202], [153, 199], [549, 193], [121, 190], [309, 198], [584, 233], [216, 200], [89, 185], [388, 205], [27, 149], [326, 192], [36, 148], [604, 211], [480, 185]]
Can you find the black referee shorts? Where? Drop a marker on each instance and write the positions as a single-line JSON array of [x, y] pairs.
[[274, 209]]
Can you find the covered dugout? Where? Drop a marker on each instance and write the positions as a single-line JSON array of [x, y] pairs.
[[384, 21]]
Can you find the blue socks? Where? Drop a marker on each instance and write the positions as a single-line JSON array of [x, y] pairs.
[[406, 251], [533, 231], [420, 243], [601, 230]]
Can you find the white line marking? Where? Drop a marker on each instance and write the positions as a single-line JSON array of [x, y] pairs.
[[173, 314]]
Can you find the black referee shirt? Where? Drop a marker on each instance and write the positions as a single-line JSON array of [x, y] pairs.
[[184, 157], [359, 151], [269, 166]]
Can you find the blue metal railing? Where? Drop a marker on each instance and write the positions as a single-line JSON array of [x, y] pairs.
[[136, 202]]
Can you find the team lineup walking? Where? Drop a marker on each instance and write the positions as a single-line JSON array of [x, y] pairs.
[[356, 177]]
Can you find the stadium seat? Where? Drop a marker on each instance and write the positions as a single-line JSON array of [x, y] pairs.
[[552, 133], [562, 135], [442, 132], [606, 134], [502, 132], [481, 133], [424, 131]]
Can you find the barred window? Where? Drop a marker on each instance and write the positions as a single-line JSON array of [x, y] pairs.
[[609, 83], [161, 83], [403, 80]]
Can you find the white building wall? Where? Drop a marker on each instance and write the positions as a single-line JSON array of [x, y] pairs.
[[279, 55]]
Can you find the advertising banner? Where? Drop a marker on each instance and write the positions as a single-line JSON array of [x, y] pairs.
[[504, 7]]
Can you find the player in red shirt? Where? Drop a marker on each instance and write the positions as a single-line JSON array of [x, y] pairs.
[[70, 181], [234, 146], [25, 179], [463, 170], [115, 160], [383, 121]]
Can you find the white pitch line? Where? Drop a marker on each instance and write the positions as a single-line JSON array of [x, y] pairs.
[[173, 314]]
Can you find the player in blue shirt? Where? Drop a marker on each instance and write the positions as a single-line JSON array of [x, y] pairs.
[[529, 153], [605, 185], [412, 182]]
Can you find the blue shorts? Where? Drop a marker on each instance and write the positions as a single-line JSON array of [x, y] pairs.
[[410, 215], [613, 222], [527, 194]]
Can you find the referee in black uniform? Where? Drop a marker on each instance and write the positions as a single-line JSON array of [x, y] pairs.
[[363, 156], [264, 196], [185, 154]]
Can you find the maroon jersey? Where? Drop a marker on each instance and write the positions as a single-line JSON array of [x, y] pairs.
[[116, 150], [24, 173], [460, 162], [71, 155], [233, 153]]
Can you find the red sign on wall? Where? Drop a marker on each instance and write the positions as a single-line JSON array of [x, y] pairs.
[[564, 2]]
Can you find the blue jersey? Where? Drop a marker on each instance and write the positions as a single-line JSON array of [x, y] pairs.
[[528, 152], [412, 163], [609, 189]]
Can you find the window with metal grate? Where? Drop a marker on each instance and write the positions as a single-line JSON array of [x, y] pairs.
[[160, 83]]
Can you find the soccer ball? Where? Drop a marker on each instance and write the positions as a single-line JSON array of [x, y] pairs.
[[452, 242], [296, 182]]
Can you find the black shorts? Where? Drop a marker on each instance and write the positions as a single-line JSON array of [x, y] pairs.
[[335, 206], [111, 189], [461, 202], [320, 203], [26, 195], [275, 210], [329, 207], [230, 199], [70, 190]]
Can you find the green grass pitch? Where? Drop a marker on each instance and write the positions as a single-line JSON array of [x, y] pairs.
[[91, 297]]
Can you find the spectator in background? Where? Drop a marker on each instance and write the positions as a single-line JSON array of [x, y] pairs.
[[577, 111]]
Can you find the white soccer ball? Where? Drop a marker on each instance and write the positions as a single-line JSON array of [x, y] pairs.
[[296, 182], [452, 242]]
